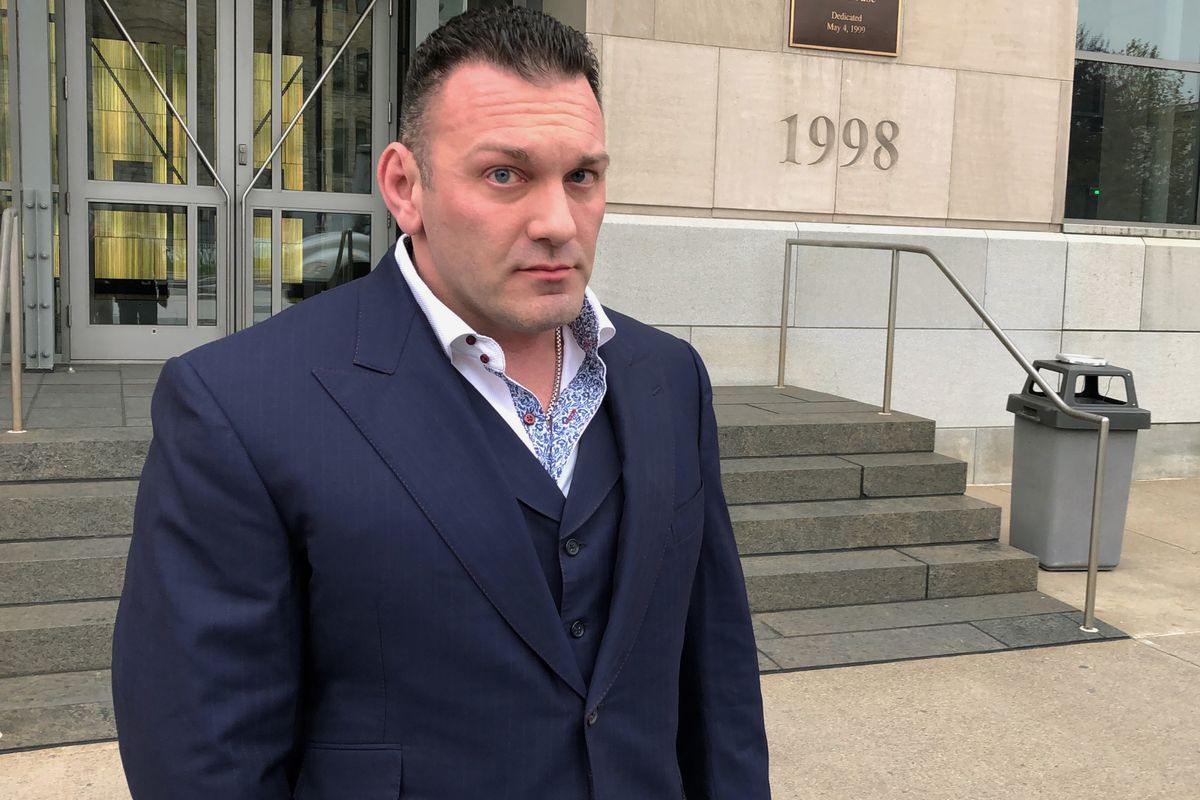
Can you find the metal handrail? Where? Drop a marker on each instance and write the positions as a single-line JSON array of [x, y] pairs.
[[1089, 611], [10, 278]]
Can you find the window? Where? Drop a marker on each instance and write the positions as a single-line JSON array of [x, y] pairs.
[[1135, 114]]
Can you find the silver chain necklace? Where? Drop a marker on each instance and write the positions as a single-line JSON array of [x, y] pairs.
[[558, 366]]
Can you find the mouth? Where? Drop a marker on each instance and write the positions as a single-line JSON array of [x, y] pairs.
[[548, 271]]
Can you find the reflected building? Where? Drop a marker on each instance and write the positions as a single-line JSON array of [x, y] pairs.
[[1135, 126]]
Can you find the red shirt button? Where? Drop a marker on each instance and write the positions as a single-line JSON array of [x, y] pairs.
[[529, 418], [484, 358], [471, 340]]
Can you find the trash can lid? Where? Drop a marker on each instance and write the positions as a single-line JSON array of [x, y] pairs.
[[1080, 388], [1073, 369]]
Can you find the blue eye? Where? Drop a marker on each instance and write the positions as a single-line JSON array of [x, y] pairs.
[[579, 175], [502, 175]]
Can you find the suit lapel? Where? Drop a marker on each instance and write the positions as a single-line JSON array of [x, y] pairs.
[[405, 397], [641, 420]]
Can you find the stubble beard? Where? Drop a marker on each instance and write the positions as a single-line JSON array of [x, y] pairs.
[[533, 320]]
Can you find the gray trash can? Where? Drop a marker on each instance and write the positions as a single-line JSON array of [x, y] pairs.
[[1054, 465]]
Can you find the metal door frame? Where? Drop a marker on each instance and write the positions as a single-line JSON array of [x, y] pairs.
[[234, 111]]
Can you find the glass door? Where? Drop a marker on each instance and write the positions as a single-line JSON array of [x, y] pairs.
[[183, 104], [316, 116], [147, 217]]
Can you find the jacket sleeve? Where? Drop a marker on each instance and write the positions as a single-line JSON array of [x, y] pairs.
[[722, 744], [206, 651]]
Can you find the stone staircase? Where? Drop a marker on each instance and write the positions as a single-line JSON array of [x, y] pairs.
[[835, 508], [66, 506], [834, 504]]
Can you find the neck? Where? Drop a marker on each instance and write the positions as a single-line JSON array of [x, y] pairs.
[[530, 358], [533, 363], [511, 341]]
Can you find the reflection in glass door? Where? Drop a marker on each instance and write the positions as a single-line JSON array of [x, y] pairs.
[[151, 224], [313, 218], [148, 218]]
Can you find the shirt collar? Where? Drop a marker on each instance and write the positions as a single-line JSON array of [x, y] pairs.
[[592, 328]]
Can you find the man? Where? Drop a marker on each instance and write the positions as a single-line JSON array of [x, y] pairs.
[[453, 531]]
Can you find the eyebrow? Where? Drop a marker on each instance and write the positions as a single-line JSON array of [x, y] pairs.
[[515, 153], [521, 155], [594, 159]]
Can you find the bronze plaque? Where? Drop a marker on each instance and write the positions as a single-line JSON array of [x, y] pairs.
[[848, 26]]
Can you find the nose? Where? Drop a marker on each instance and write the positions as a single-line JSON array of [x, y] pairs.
[[552, 220]]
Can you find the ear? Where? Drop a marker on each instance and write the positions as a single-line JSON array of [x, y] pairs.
[[400, 185]]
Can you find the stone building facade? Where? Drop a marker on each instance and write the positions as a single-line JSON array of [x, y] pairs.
[[714, 124]]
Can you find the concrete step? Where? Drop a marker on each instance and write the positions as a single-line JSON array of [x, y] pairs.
[[975, 568], [56, 637], [62, 569], [73, 454], [888, 575], [48, 710], [764, 421], [849, 524], [66, 509], [910, 474], [791, 479]]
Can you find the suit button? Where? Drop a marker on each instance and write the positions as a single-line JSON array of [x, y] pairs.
[[572, 547], [578, 629], [592, 717]]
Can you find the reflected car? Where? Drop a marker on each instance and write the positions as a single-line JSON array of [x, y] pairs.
[[330, 259]]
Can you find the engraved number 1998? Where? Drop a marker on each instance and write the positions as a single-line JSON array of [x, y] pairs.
[[822, 133]]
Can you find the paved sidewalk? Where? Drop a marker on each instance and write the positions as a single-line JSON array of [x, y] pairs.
[[87, 395], [1109, 720], [1100, 721]]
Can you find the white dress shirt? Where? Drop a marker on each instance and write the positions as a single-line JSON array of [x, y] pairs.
[[454, 334]]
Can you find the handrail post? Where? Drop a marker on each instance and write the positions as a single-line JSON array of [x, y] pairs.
[[783, 314], [1089, 606], [4, 233], [10, 253], [890, 359]]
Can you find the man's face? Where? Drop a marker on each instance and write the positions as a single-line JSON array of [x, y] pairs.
[[505, 231]]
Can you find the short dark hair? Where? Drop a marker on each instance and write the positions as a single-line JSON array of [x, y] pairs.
[[528, 43]]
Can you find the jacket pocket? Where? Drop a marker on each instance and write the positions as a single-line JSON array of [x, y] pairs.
[[688, 518], [337, 772]]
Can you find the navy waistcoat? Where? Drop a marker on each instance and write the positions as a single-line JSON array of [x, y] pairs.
[[575, 538]]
